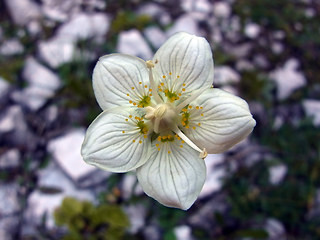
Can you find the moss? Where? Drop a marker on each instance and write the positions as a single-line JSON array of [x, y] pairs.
[[86, 221], [125, 20]]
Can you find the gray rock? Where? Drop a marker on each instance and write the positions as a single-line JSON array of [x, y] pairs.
[[10, 159], [275, 229], [60, 10], [200, 9], [151, 232], [221, 9], [185, 23], [8, 120], [9, 199], [15, 130], [56, 51], [252, 30], [155, 11], [61, 48], [84, 26], [42, 84], [312, 109], [260, 61], [66, 151], [225, 75], [4, 88], [213, 181], [183, 232], [53, 187], [131, 42], [277, 173], [203, 216], [137, 216], [288, 79], [11, 47], [155, 35], [23, 11], [8, 226], [129, 186]]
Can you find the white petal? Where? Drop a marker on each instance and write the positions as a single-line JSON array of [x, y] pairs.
[[108, 147], [117, 75], [188, 57], [174, 179], [226, 121]]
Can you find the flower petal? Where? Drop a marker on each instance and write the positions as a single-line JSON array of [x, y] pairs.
[[218, 120], [174, 179], [113, 141], [120, 80], [184, 61]]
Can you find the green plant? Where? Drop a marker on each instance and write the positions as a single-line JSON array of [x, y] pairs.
[[88, 222]]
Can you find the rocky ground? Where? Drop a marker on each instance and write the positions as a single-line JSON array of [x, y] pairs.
[[266, 187]]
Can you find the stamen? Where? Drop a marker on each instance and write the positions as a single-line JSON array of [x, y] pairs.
[[155, 94], [203, 153], [192, 97]]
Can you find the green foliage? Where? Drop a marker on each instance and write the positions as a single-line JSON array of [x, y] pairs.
[[255, 86], [89, 222], [10, 68], [253, 197], [77, 91], [125, 20]]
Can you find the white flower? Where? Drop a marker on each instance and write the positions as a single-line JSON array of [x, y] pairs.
[[162, 117]]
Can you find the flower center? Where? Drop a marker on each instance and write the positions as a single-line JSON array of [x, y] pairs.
[[162, 115]]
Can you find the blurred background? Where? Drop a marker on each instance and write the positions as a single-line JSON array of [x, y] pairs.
[[266, 187]]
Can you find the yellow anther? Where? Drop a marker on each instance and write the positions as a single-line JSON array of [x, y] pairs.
[[140, 82], [190, 107], [150, 64], [157, 145], [164, 76], [197, 107], [201, 114], [162, 84], [133, 140], [150, 90], [132, 88], [182, 141], [178, 76], [130, 116], [184, 84], [201, 107], [170, 73], [194, 128], [180, 94], [128, 94], [183, 89], [181, 146], [134, 104], [145, 136], [159, 138], [184, 110], [123, 131], [130, 101], [145, 86], [127, 119], [187, 127], [158, 149], [140, 141], [169, 152], [199, 124]]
